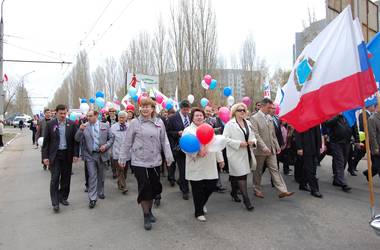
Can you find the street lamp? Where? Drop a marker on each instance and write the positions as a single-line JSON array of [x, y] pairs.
[[2, 96], [22, 89]]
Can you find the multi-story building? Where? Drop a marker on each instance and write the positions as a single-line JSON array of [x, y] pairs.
[[366, 10]]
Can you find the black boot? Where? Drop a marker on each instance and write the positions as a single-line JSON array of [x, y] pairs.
[[234, 189], [248, 204], [151, 217], [147, 222]]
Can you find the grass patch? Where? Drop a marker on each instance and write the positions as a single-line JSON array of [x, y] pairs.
[[7, 137]]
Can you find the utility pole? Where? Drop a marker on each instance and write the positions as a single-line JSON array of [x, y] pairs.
[[2, 95]]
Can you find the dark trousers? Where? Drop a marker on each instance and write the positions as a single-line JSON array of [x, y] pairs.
[[298, 170], [86, 173], [226, 167], [340, 154], [309, 172], [375, 165], [201, 190], [182, 182], [60, 178], [34, 136], [356, 154], [1, 141]]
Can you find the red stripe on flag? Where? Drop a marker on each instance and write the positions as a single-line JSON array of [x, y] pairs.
[[318, 106]]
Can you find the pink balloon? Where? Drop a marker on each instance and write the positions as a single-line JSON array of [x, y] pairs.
[[277, 109], [207, 79], [159, 99], [103, 111], [247, 101], [224, 114], [163, 105]]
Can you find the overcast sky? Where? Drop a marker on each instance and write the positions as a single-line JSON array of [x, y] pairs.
[[55, 29]]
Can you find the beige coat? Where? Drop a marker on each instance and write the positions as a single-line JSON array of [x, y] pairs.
[[265, 134], [201, 168], [238, 161]]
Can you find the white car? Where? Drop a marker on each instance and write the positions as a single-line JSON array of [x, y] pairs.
[[17, 119]]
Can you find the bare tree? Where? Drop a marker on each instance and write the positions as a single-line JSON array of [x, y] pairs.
[[178, 49], [160, 50], [112, 81], [81, 86], [98, 79]]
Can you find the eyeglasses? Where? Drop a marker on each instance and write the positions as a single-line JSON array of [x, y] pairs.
[[240, 110]]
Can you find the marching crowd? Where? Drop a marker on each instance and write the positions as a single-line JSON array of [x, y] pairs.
[[148, 144]]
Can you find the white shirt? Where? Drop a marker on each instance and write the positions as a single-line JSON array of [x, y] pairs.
[[201, 168]]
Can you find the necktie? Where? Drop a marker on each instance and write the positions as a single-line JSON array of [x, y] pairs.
[[186, 122], [96, 138], [122, 127]]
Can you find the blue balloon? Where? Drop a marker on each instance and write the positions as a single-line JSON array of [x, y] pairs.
[[132, 92], [189, 143], [170, 100], [72, 117], [99, 101], [99, 94], [227, 91], [83, 100], [92, 100], [213, 84], [135, 98], [169, 106], [204, 102]]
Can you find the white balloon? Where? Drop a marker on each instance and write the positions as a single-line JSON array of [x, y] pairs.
[[84, 108], [230, 100], [218, 144], [205, 85], [190, 98], [40, 141]]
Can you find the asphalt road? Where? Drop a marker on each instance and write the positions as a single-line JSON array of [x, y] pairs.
[[338, 221]]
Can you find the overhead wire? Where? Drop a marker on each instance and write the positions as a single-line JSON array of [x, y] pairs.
[[110, 26]]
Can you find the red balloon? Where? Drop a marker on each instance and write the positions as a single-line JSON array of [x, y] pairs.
[[205, 133], [130, 107], [207, 79], [247, 101], [159, 99], [224, 114], [163, 105]]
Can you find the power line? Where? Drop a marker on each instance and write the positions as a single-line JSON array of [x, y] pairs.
[[110, 26], [32, 61], [97, 20], [32, 51]]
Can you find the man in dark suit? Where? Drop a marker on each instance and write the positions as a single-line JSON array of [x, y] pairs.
[[309, 144], [59, 150], [175, 126], [357, 153]]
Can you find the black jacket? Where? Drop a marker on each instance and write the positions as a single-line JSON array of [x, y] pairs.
[[277, 128], [174, 125], [309, 141], [361, 125], [51, 141], [340, 132]]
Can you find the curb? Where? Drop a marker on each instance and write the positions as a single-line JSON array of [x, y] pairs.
[[8, 143]]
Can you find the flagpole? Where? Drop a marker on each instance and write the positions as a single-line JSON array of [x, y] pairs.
[[369, 163]]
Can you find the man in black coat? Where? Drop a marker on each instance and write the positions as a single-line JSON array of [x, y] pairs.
[[175, 126], [309, 144], [340, 134], [59, 150], [357, 153]]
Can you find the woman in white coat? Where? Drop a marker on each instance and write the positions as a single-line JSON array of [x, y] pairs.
[[240, 144], [201, 169]]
